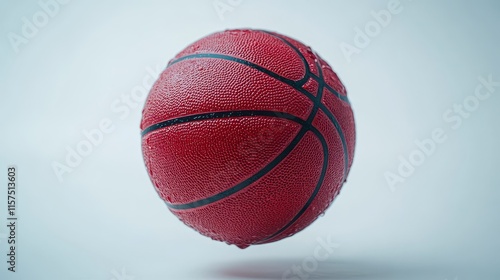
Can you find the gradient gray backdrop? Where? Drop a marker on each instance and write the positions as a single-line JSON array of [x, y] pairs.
[[105, 221]]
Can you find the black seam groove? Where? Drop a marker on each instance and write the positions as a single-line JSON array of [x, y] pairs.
[[306, 126], [289, 82], [332, 90], [294, 84], [321, 82], [316, 189], [235, 59], [321, 178], [309, 74], [216, 115]]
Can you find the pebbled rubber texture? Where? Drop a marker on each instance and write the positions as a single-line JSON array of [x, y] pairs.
[[248, 136]]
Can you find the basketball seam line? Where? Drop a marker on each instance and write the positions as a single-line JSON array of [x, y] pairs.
[[316, 101], [306, 126], [320, 81], [256, 176], [308, 74], [291, 83], [323, 169], [328, 113], [316, 190]]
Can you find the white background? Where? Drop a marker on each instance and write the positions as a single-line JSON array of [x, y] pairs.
[[105, 221]]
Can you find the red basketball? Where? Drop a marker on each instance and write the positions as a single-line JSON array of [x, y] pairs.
[[248, 136]]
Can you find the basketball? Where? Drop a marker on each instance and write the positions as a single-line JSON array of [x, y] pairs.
[[248, 136]]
